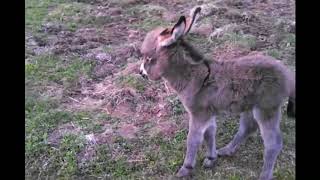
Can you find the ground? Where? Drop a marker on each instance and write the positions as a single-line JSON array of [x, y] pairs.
[[90, 115]]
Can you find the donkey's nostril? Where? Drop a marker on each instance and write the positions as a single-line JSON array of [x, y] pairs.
[[144, 76]]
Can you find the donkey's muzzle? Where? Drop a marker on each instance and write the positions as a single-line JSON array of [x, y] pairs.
[[143, 75]]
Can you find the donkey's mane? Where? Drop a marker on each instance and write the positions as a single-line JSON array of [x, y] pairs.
[[197, 58]]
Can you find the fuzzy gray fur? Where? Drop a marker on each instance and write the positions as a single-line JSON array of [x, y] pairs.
[[253, 86]]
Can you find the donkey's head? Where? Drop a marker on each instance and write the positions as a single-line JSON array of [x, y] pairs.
[[161, 44]]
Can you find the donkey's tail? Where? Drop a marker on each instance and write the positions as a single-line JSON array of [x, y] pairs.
[[291, 108]]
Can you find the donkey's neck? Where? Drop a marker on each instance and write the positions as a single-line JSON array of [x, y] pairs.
[[187, 71], [178, 78]]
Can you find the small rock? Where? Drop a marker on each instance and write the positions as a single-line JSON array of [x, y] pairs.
[[90, 138]]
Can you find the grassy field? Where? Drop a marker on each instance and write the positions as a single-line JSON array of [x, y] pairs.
[[89, 115]]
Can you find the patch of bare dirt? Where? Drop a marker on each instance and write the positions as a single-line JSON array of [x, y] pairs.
[[203, 29], [86, 103], [123, 109], [169, 16], [132, 68], [164, 129], [121, 54], [79, 42], [52, 28], [152, 94], [127, 131], [122, 103], [104, 70]]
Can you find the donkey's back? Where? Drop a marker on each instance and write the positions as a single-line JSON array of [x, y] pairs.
[[249, 81]]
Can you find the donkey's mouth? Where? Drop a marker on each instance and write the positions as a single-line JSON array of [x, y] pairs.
[[143, 75], [143, 72]]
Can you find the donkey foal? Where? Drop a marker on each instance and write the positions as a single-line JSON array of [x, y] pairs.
[[253, 86]]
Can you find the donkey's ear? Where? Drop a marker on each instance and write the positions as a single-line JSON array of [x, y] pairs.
[[176, 32], [194, 14]]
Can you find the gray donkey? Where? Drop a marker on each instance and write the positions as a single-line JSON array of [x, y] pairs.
[[253, 86]]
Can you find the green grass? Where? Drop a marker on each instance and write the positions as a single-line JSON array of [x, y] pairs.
[[71, 14], [52, 69], [234, 177], [284, 174], [244, 40], [151, 20], [274, 53], [42, 117], [163, 156], [289, 40], [134, 81], [176, 105], [285, 49], [36, 12], [74, 15]]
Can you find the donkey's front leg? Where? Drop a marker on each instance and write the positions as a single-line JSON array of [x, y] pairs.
[[210, 138], [195, 137]]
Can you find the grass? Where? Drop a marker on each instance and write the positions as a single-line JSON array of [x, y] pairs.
[[274, 53], [71, 14], [243, 40], [133, 81], [43, 159], [150, 19], [289, 40], [37, 11], [51, 79], [285, 50], [75, 15], [163, 156], [43, 70], [41, 118], [176, 105]]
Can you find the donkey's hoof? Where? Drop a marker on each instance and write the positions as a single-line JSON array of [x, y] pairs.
[[209, 163], [225, 151], [265, 177], [183, 171]]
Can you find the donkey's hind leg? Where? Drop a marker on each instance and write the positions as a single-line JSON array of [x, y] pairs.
[[247, 126], [269, 124]]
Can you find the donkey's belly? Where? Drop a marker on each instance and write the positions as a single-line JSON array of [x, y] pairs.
[[232, 108]]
